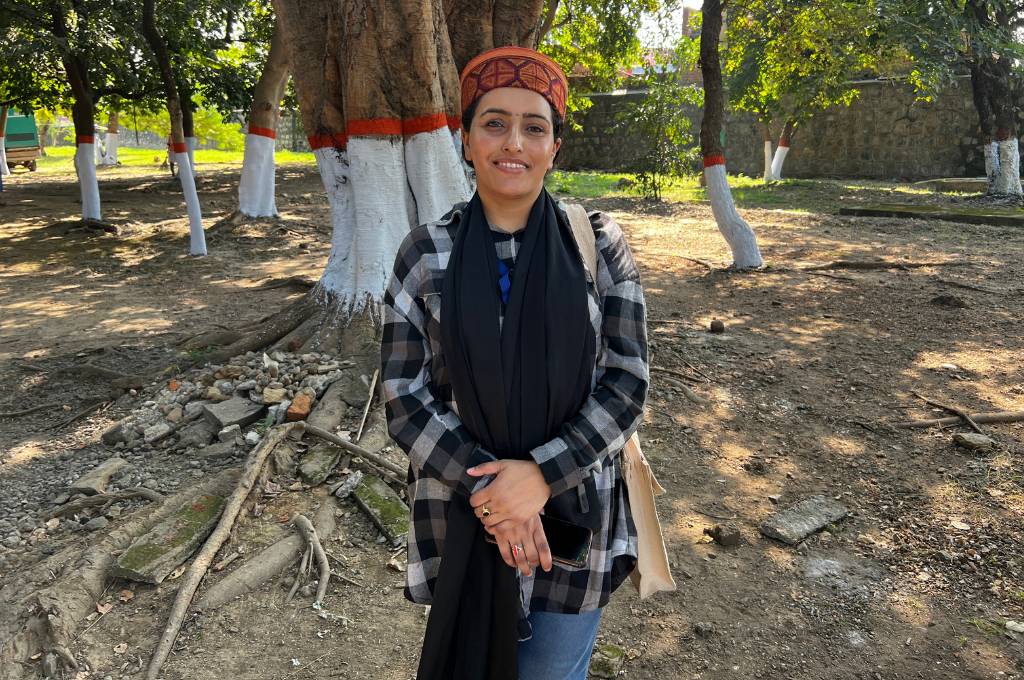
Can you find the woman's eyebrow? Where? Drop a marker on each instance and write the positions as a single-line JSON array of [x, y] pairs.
[[503, 112]]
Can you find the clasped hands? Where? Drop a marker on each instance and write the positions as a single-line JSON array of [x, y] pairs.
[[514, 501]]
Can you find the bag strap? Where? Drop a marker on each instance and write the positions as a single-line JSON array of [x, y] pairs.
[[583, 232]]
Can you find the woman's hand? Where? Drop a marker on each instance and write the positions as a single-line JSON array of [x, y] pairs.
[[516, 495], [533, 545]]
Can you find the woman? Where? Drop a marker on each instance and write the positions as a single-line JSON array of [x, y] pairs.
[[513, 378]]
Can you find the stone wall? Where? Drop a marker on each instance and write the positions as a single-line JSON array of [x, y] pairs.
[[885, 133]]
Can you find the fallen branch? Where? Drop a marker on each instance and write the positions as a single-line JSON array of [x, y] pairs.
[[967, 286], [704, 263], [369, 401], [120, 380], [952, 409], [355, 450], [203, 559], [302, 523], [306, 555], [27, 411], [103, 499], [997, 417]]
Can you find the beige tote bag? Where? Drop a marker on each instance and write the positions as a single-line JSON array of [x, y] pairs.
[[652, 572]]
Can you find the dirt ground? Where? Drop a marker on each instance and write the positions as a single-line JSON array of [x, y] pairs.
[[801, 388]]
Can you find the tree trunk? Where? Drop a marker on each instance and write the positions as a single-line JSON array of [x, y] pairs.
[[4, 170], [188, 126], [77, 71], [785, 141], [737, 232], [1003, 107], [113, 135], [980, 93], [766, 134], [256, 186], [178, 147]]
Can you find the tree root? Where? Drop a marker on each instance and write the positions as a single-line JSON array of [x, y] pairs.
[[104, 499], [302, 523], [203, 559], [85, 224], [997, 417], [880, 264], [215, 338], [53, 613], [267, 333], [260, 568], [296, 281]]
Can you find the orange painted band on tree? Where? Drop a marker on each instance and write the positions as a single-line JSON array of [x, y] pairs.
[[84, 139], [714, 159], [385, 127], [179, 148], [783, 143], [262, 132]]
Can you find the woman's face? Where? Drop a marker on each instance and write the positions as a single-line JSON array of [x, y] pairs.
[[511, 142]]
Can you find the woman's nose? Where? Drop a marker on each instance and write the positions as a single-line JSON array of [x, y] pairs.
[[514, 140]]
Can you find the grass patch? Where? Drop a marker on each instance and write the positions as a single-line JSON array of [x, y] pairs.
[[986, 626], [61, 159]]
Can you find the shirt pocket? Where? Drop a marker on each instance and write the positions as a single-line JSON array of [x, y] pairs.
[[430, 296]]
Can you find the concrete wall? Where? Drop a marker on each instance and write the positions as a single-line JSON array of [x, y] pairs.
[[884, 134]]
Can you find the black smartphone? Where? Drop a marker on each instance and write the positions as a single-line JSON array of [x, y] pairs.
[[569, 543]]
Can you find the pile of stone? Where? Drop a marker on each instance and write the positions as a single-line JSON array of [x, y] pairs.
[[220, 407]]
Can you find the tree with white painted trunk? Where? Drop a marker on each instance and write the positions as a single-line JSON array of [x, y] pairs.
[[256, 186], [738, 234], [979, 37], [787, 60], [197, 237], [112, 139], [378, 88]]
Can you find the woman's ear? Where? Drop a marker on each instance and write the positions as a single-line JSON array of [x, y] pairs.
[[554, 152], [465, 148]]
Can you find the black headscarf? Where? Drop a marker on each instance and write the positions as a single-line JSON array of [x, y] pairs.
[[515, 387]]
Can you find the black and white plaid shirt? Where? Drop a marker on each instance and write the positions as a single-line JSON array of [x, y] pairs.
[[423, 418]]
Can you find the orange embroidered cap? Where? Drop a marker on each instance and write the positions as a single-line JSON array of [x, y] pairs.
[[514, 67]]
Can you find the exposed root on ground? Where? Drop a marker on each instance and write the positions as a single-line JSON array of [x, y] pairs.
[[52, 614]]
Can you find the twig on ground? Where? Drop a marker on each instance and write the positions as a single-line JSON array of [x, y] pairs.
[[704, 263], [27, 411], [81, 414], [968, 286], [713, 516], [698, 371], [355, 449], [201, 562], [687, 392], [305, 527], [996, 417], [369, 401], [952, 409], [677, 374]]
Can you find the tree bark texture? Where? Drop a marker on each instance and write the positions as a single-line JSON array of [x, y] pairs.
[[112, 139], [256, 186], [378, 85], [737, 232]]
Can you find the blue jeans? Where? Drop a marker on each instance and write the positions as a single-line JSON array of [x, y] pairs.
[[560, 647]]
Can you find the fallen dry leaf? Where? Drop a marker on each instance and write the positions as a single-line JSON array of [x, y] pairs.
[[104, 608], [125, 595], [176, 573], [121, 648]]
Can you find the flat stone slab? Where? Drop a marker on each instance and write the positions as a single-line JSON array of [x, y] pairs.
[[235, 411], [387, 510], [155, 554], [318, 462], [95, 481], [803, 519], [994, 216]]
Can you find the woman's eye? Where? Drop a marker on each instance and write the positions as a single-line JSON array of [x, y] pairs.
[[493, 123], [536, 129]]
